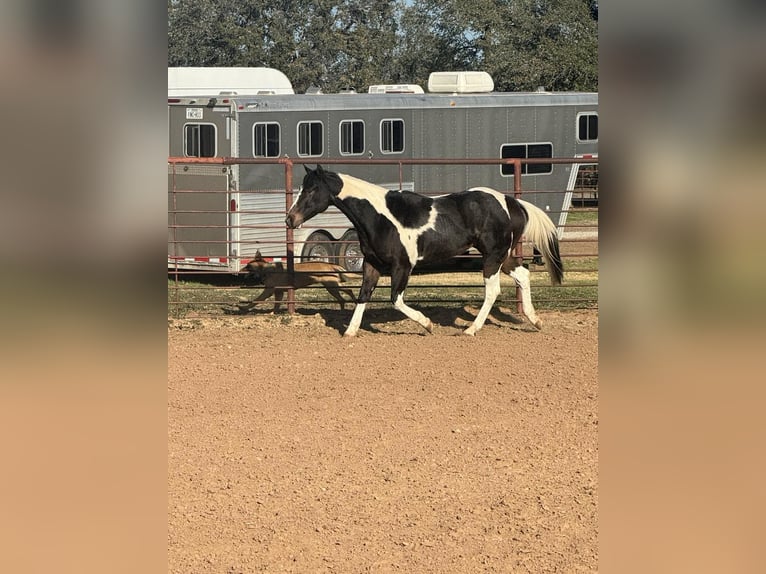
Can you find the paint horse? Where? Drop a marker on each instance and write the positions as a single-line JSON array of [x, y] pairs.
[[399, 229]]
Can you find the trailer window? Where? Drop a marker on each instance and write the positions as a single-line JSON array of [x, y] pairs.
[[266, 140], [525, 151], [392, 136], [310, 138], [352, 137], [199, 140], [587, 127]]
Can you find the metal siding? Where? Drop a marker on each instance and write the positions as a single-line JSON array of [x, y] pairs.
[[191, 241]]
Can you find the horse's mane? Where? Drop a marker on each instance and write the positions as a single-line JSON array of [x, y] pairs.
[[360, 186]]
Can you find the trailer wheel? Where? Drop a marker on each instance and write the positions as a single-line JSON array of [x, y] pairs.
[[323, 250], [351, 256]]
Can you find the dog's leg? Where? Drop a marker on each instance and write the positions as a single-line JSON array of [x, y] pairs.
[[350, 293], [265, 294], [334, 290], [278, 294]]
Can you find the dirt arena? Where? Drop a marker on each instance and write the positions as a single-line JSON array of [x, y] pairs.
[[293, 449]]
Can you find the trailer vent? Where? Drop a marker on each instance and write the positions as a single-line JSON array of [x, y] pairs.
[[395, 89], [460, 82]]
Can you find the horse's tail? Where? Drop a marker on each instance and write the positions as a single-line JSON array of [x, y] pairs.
[[541, 231]]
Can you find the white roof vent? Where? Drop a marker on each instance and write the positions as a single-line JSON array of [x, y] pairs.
[[460, 82], [395, 89]]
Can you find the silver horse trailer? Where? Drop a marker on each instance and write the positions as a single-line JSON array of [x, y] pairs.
[[222, 214]]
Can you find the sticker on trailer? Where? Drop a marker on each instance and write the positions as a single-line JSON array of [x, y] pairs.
[[193, 113]]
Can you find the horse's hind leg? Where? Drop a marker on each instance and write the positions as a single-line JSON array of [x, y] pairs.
[[491, 291], [521, 276]]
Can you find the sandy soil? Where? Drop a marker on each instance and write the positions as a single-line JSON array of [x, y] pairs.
[[292, 449]]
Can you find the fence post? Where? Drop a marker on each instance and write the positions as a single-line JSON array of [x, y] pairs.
[[289, 237], [519, 251], [177, 287]]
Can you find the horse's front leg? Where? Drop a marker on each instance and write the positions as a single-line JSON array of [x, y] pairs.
[[400, 276], [370, 277]]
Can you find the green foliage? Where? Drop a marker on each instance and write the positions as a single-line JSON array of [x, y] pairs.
[[523, 44]]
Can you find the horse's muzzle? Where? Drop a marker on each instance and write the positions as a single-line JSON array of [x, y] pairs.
[[292, 221]]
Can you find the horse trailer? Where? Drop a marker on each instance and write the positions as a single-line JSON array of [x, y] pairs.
[[220, 215]]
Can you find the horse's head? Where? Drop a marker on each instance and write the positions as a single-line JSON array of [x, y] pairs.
[[319, 186]]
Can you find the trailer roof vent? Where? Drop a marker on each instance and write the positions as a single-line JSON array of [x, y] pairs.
[[460, 82], [395, 89]]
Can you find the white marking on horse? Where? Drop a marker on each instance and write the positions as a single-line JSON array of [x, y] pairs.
[[491, 291], [376, 196], [356, 320], [497, 195], [297, 197], [521, 277]]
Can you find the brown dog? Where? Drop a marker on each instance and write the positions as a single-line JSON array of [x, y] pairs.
[[275, 278]]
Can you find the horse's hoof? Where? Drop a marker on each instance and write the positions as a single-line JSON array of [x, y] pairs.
[[539, 325], [469, 332], [430, 327]]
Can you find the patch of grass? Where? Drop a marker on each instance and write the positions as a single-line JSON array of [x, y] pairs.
[[580, 290], [582, 216]]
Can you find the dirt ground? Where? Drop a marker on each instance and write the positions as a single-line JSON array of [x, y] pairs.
[[293, 449]]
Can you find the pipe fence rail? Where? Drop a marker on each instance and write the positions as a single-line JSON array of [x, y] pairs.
[[216, 286]]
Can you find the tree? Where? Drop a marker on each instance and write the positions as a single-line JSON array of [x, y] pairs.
[[523, 44]]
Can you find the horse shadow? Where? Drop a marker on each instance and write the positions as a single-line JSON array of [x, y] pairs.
[[389, 321], [392, 322]]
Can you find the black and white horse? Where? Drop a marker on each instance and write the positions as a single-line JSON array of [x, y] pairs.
[[399, 229]]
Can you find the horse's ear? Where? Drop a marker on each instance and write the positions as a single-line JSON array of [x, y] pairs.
[[320, 171], [258, 255], [306, 168]]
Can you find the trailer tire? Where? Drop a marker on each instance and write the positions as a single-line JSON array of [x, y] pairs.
[[321, 251], [350, 254]]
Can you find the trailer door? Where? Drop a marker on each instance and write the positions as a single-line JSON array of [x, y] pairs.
[[198, 195]]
